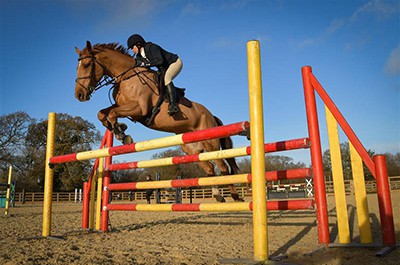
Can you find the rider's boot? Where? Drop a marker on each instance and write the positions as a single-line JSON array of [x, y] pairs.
[[172, 108]]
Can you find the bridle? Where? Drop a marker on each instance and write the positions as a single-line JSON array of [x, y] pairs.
[[107, 78], [104, 81]]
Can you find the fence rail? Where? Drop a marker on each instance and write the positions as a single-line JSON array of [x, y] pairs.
[[196, 193], [125, 195]]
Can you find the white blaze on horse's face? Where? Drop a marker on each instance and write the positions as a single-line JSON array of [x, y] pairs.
[[82, 82]]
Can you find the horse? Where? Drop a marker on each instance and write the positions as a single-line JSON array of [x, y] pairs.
[[136, 93]]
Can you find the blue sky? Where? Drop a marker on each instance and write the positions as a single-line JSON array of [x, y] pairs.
[[352, 46]]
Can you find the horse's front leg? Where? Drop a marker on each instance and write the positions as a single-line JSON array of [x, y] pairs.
[[102, 115], [132, 110], [117, 128]]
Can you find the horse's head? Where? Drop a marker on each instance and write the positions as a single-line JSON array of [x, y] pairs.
[[89, 73]]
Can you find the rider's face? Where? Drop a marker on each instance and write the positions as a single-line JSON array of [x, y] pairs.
[[135, 49]]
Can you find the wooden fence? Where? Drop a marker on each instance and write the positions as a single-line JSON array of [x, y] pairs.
[[197, 193], [126, 195]]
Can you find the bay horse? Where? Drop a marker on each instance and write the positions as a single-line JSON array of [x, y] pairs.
[[136, 93]]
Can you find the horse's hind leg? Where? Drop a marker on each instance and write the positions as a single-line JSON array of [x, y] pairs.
[[224, 169], [208, 167]]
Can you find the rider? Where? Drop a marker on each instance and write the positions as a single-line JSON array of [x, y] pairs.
[[149, 54]]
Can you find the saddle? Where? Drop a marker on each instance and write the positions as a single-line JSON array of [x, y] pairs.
[[180, 98]]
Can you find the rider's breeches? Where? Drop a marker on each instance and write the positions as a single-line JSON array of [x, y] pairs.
[[173, 70]]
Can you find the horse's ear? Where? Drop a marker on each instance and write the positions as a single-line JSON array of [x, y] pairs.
[[88, 46], [77, 51]]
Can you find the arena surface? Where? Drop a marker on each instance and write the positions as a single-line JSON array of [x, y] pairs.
[[183, 238]]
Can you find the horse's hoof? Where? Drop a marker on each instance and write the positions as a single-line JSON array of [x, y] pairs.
[[127, 140], [122, 126], [219, 198], [119, 136]]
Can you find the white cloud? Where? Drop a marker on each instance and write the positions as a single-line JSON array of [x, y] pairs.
[[191, 8], [392, 65], [375, 9], [335, 25], [379, 8]]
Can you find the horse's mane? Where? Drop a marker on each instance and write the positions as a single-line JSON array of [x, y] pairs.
[[112, 46]]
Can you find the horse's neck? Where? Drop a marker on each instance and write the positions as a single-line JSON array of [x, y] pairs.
[[116, 63]]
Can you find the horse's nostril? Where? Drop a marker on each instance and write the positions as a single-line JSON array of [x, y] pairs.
[[80, 95]]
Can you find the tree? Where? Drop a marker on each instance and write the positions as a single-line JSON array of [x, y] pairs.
[[393, 164], [272, 163], [24, 142], [13, 130], [190, 170], [131, 175]]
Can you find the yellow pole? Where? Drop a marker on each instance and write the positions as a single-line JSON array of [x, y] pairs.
[[361, 196], [8, 194], [99, 193], [338, 179], [48, 177], [260, 234]]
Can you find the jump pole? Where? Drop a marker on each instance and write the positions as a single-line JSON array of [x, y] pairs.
[[49, 172], [259, 194]]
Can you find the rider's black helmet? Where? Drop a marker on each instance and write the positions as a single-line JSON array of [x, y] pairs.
[[135, 39]]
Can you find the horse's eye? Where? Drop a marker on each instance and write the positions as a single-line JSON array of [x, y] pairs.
[[86, 65]]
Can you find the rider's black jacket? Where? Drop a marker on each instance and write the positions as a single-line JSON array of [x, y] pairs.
[[156, 56]]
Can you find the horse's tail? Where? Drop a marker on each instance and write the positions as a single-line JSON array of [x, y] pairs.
[[226, 143]]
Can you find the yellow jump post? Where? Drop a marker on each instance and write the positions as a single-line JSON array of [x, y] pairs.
[[48, 179], [8, 193], [99, 193], [338, 179], [361, 196], [257, 150]]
